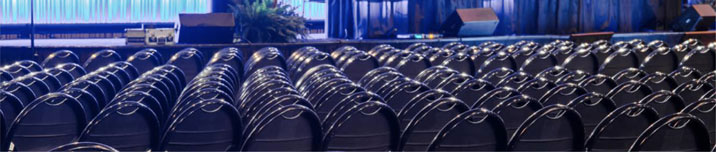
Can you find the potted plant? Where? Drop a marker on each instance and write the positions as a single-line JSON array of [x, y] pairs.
[[267, 21]]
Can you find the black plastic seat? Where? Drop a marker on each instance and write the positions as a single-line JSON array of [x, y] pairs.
[[145, 60], [103, 82], [230, 56], [189, 61], [704, 109], [101, 58], [415, 105], [111, 127], [412, 65], [84, 146], [474, 130], [311, 60], [373, 124], [693, 135], [269, 134], [208, 125], [58, 57], [420, 131], [621, 127], [582, 59], [593, 108], [658, 81], [619, 60], [49, 121], [75, 69], [558, 126], [471, 91], [701, 58], [662, 60]]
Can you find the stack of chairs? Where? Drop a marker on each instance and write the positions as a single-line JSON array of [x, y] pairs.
[[525, 96]]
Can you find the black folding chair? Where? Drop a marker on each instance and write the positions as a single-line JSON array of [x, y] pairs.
[[621, 127], [84, 146], [61, 56], [675, 132], [101, 58]]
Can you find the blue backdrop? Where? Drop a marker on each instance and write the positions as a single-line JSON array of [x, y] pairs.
[[356, 19]]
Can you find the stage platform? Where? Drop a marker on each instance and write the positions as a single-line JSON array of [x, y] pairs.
[[13, 50]]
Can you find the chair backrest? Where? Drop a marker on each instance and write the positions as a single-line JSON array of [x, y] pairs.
[[49, 121], [598, 83], [692, 91], [498, 60], [629, 74], [460, 62], [30, 65], [10, 106], [145, 60], [84, 146], [658, 81], [684, 74], [536, 88], [593, 107], [705, 110], [664, 102], [492, 98], [61, 75], [101, 58], [583, 60], [515, 110], [88, 101], [372, 124], [36, 85], [515, 80], [145, 99], [75, 69], [700, 58], [622, 58], [265, 57], [496, 75], [562, 94], [619, 129], [415, 105], [539, 61], [358, 65], [112, 127], [553, 74], [92, 88], [19, 90], [629, 92], [412, 65], [473, 130], [61, 56], [675, 132], [558, 126], [189, 61], [212, 125], [422, 128], [5, 76], [662, 60], [709, 78], [269, 134]]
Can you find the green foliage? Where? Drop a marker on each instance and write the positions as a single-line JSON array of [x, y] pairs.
[[261, 21]]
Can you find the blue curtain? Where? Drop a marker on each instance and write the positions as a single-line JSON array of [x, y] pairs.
[[384, 18]]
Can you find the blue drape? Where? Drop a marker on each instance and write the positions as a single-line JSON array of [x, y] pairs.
[[384, 18]]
